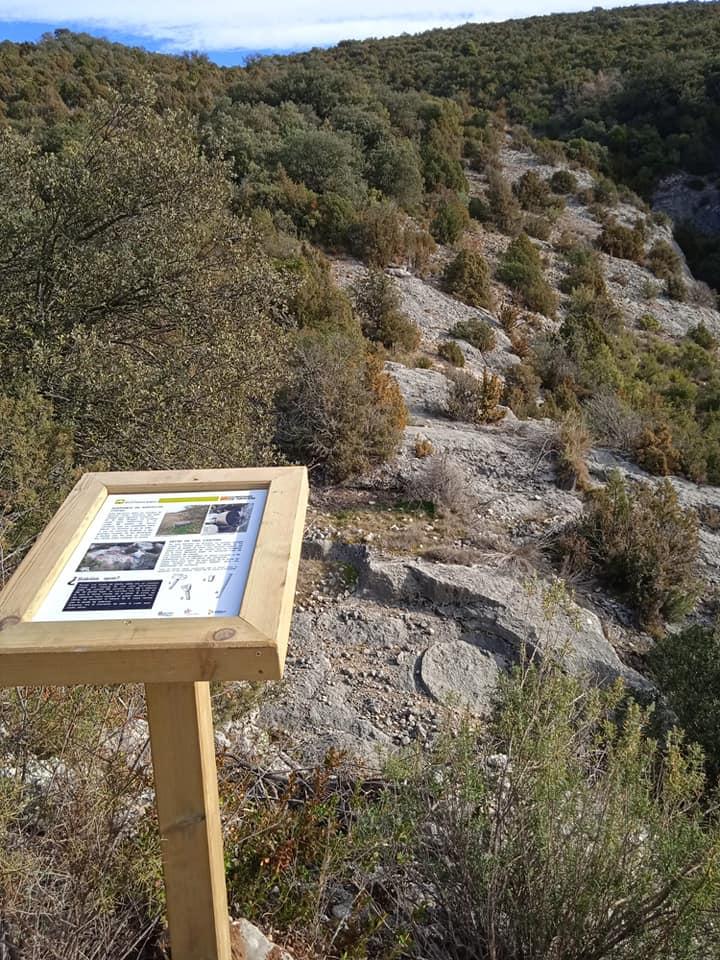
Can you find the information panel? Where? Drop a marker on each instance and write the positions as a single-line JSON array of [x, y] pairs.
[[160, 555]]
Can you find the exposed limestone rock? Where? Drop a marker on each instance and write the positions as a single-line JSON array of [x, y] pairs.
[[504, 609], [458, 672], [436, 313], [249, 943], [678, 196], [424, 391]]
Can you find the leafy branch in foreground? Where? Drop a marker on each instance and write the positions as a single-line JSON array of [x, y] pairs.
[[564, 832]]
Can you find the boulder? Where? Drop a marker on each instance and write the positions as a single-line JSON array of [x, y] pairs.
[[461, 674], [249, 943]]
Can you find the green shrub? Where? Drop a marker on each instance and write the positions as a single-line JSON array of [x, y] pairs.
[[394, 167], [549, 151], [640, 541], [650, 289], [473, 400], [37, 470], [677, 288], [468, 278], [604, 191], [378, 304], [662, 219], [533, 192], [152, 287], [702, 336], [336, 217], [565, 830], [627, 243], [522, 270], [341, 414], [450, 220], [450, 351], [318, 303], [479, 209], [686, 667], [478, 333], [504, 208], [378, 237], [649, 323], [538, 227], [663, 260], [324, 161], [590, 321], [584, 270], [522, 385], [563, 181]]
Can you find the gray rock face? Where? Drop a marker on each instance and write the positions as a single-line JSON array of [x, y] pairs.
[[460, 673], [422, 390], [700, 207], [517, 616]]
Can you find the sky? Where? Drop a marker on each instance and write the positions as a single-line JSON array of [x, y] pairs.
[[228, 30]]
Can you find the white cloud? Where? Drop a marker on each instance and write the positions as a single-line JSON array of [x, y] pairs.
[[242, 24]]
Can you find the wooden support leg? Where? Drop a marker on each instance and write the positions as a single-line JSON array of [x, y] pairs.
[[183, 750]]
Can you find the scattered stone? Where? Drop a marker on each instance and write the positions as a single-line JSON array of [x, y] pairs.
[[249, 943]]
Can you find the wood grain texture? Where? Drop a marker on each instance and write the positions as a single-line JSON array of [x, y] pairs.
[[186, 791], [270, 591], [173, 650], [178, 481], [31, 582]]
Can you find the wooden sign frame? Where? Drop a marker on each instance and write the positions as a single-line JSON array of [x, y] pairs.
[[251, 646], [175, 659]]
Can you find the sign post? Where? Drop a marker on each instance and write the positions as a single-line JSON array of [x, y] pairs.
[[171, 579]]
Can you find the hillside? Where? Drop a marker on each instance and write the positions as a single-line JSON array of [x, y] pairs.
[[632, 90], [419, 266]]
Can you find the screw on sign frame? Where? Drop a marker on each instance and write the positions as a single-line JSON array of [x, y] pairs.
[[175, 657]]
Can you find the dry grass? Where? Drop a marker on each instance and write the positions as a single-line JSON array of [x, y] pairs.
[[79, 861], [572, 446]]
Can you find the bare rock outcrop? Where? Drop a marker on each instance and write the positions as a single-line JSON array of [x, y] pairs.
[[519, 616]]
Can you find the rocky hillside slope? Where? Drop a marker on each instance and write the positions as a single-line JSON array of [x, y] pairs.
[[401, 615]]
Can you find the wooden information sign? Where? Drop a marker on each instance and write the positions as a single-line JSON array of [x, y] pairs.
[[171, 579]]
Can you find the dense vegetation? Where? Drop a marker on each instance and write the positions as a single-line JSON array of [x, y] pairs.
[[562, 829], [312, 137], [167, 299]]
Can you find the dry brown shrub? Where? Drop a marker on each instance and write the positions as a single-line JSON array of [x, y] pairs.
[[444, 484], [423, 448], [474, 400], [520, 343], [613, 422], [702, 295], [509, 316], [656, 452], [572, 445]]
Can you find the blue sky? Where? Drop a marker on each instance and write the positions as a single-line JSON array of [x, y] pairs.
[[227, 30]]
